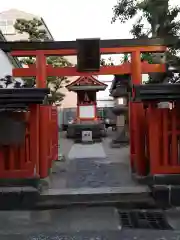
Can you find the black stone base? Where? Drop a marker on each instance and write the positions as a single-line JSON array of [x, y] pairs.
[[165, 189], [90, 142], [166, 196], [128, 197], [18, 197], [29, 182], [161, 179], [18, 193], [74, 131]]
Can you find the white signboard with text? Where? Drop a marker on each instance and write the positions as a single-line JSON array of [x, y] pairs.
[[86, 111]]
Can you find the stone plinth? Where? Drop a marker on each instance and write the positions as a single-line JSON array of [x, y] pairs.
[[75, 131], [121, 111]]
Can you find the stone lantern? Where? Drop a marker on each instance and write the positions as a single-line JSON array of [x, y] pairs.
[[119, 91]]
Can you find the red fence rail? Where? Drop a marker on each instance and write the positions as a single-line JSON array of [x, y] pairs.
[[164, 140], [23, 161], [41, 145]]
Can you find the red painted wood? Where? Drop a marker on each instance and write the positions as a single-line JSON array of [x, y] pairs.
[[163, 125], [43, 117], [71, 71], [83, 81], [137, 120], [66, 52], [20, 161], [44, 143]]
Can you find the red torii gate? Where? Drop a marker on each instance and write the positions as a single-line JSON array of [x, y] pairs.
[[136, 68]]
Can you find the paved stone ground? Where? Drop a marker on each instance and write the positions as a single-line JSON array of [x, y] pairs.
[[89, 172], [92, 223], [58, 177], [95, 235], [62, 220], [92, 166], [81, 151], [173, 217], [64, 144]]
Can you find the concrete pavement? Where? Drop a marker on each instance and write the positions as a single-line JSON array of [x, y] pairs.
[[95, 150], [93, 223]]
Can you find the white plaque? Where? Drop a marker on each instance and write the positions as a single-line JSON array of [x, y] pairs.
[[86, 111]]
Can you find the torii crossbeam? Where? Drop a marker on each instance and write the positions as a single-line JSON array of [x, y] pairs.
[[65, 48]]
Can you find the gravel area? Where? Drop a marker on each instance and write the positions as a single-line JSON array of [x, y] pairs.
[[89, 172], [92, 166]]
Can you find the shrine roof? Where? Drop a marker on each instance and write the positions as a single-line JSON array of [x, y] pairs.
[[86, 83]]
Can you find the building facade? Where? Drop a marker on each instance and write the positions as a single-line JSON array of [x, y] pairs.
[[7, 62], [7, 21]]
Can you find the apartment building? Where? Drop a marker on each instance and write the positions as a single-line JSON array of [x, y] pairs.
[[7, 21]]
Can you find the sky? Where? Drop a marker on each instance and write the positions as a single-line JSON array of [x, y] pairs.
[[72, 19]]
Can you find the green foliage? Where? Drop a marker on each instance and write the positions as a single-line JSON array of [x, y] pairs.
[[108, 62], [160, 16], [153, 18], [36, 33], [126, 58], [32, 28], [124, 10], [147, 57]]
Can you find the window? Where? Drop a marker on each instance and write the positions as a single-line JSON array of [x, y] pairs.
[[120, 101], [7, 27]]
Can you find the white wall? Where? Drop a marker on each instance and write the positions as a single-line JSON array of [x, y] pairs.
[[5, 65], [104, 95], [11, 16], [109, 103]]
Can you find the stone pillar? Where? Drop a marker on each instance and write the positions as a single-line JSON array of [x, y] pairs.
[[121, 111], [120, 123]]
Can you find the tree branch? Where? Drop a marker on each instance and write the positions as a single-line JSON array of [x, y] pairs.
[[35, 33]]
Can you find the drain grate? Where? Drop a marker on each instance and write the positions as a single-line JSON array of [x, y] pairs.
[[144, 220]]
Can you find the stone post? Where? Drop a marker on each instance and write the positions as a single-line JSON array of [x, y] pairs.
[[121, 111], [120, 92]]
